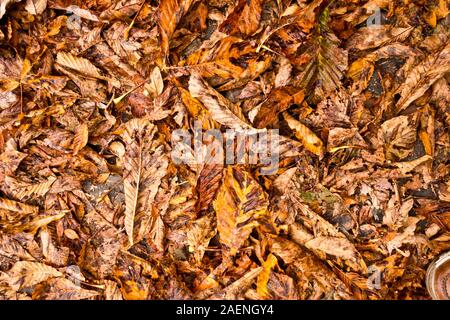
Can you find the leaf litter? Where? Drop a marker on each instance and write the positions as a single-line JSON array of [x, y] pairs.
[[93, 204]]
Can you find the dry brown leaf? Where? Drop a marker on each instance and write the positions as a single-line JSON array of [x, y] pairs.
[[144, 166], [26, 274], [245, 10], [61, 289], [222, 110], [81, 137], [421, 77], [170, 13]]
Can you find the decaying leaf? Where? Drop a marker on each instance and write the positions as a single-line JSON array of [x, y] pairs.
[[239, 204], [398, 136], [222, 111], [144, 166], [308, 138], [35, 6], [234, 149], [422, 77], [81, 138]]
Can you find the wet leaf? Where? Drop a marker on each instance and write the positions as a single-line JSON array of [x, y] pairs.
[[239, 204]]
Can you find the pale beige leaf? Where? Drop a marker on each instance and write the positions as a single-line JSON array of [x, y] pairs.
[[338, 247], [398, 136], [3, 5], [421, 77], [156, 85], [222, 110], [82, 65], [35, 7], [27, 274], [376, 36]]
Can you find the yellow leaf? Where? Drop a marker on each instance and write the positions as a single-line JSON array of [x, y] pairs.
[[263, 277], [26, 67], [307, 137], [238, 205], [170, 13]]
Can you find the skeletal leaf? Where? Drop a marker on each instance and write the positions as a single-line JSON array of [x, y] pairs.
[[144, 166], [239, 204]]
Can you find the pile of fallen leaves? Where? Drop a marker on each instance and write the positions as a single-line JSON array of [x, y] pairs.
[[93, 206]]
